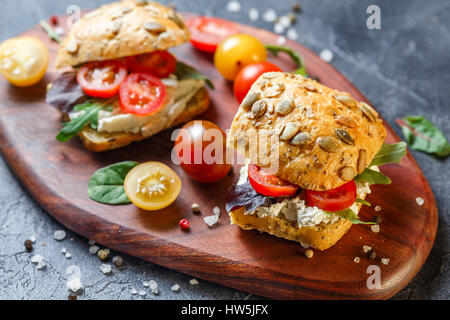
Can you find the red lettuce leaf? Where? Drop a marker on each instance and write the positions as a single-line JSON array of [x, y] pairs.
[[245, 196], [65, 92]]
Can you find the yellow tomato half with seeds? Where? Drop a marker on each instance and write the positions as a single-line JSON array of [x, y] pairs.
[[152, 185], [23, 60]]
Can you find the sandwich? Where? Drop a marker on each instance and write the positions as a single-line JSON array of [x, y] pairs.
[[314, 168], [121, 84]]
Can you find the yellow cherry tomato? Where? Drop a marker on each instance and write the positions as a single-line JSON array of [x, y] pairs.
[[23, 60], [152, 185], [236, 52]]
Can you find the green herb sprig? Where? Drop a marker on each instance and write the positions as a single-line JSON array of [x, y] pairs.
[[51, 33], [296, 57], [184, 71]]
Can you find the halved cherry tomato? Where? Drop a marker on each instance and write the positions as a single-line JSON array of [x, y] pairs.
[[333, 200], [152, 185], [208, 32], [248, 75], [196, 145], [102, 79], [269, 185], [142, 94], [157, 63]]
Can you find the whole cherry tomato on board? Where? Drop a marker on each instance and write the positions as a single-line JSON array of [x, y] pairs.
[[200, 147], [236, 52], [248, 75], [208, 32]]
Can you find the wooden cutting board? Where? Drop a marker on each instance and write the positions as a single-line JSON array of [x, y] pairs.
[[56, 174]]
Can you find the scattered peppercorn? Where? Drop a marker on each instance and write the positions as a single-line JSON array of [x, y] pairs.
[[195, 208], [117, 260], [103, 254], [54, 20], [371, 254], [72, 296], [377, 219], [28, 245], [297, 7], [184, 224], [309, 253]]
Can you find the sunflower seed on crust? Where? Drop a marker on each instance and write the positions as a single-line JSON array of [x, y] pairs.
[[344, 136], [347, 173], [289, 130], [348, 101], [328, 144]]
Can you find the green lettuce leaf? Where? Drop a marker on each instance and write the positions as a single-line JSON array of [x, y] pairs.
[[349, 215], [422, 135], [295, 56], [184, 71], [389, 153], [362, 201], [106, 184], [372, 177]]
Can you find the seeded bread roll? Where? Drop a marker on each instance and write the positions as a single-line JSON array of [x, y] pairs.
[[121, 29], [325, 136]]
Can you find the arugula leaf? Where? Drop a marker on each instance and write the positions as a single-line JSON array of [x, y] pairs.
[[51, 33], [106, 184], [389, 153], [296, 57], [349, 215], [90, 116], [422, 135], [372, 177], [183, 71], [362, 201]]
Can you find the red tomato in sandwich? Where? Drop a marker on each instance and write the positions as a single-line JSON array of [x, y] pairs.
[[248, 75], [158, 63], [333, 200], [194, 147], [101, 79], [208, 32], [269, 185], [142, 94]]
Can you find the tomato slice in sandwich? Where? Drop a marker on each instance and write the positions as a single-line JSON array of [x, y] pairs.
[[269, 185], [142, 94], [334, 199], [101, 79], [158, 63]]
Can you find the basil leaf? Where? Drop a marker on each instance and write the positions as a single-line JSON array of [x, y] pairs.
[[183, 71], [389, 153], [372, 177], [295, 56], [106, 184], [422, 135], [349, 215], [90, 116], [362, 201]]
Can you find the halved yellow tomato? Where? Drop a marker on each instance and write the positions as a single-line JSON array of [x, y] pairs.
[[152, 185], [23, 60]]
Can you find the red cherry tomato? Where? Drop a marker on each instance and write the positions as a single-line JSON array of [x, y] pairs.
[[269, 185], [158, 63], [208, 32], [195, 147], [248, 75], [101, 79], [333, 200], [142, 94]]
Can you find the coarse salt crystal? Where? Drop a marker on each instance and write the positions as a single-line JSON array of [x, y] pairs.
[[63, 250], [105, 268], [59, 235], [37, 258], [68, 255], [278, 28], [152, 284], [281, 40], [193, 282], [74, 284], [326, 55], [175, 287], [233, 6], [253, 14], [145, 284], [377, 208], [155, 291], [216, 211], [420, 201], [32, 239], [142, 293], [91, 242], [93, 249], [211, 220], [133, 291], [270, 15], [41, 265], [375, 228], [286, 21], [357, 259], [292, 34], [385, 261], [367, 248]]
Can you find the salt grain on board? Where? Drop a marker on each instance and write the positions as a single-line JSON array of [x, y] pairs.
[[377, 208], [357, 259], [253, 14], [375, 228], [233, 6], [211, 220], [385, 261], [420, 201], [270, 15], [105, 268], [367, 248], [326, 55], [285, 21], [175, 287], [278, 28], [193, 282], [281, 40], [292, 34], [59, 235], [216, 211]]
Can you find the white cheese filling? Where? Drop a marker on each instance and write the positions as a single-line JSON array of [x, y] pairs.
[[179, 92], [295, 209]]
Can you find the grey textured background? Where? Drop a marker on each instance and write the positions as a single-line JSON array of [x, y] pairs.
[[403, 69]]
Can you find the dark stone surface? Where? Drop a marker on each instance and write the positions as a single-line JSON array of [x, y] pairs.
[[403, 69]]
